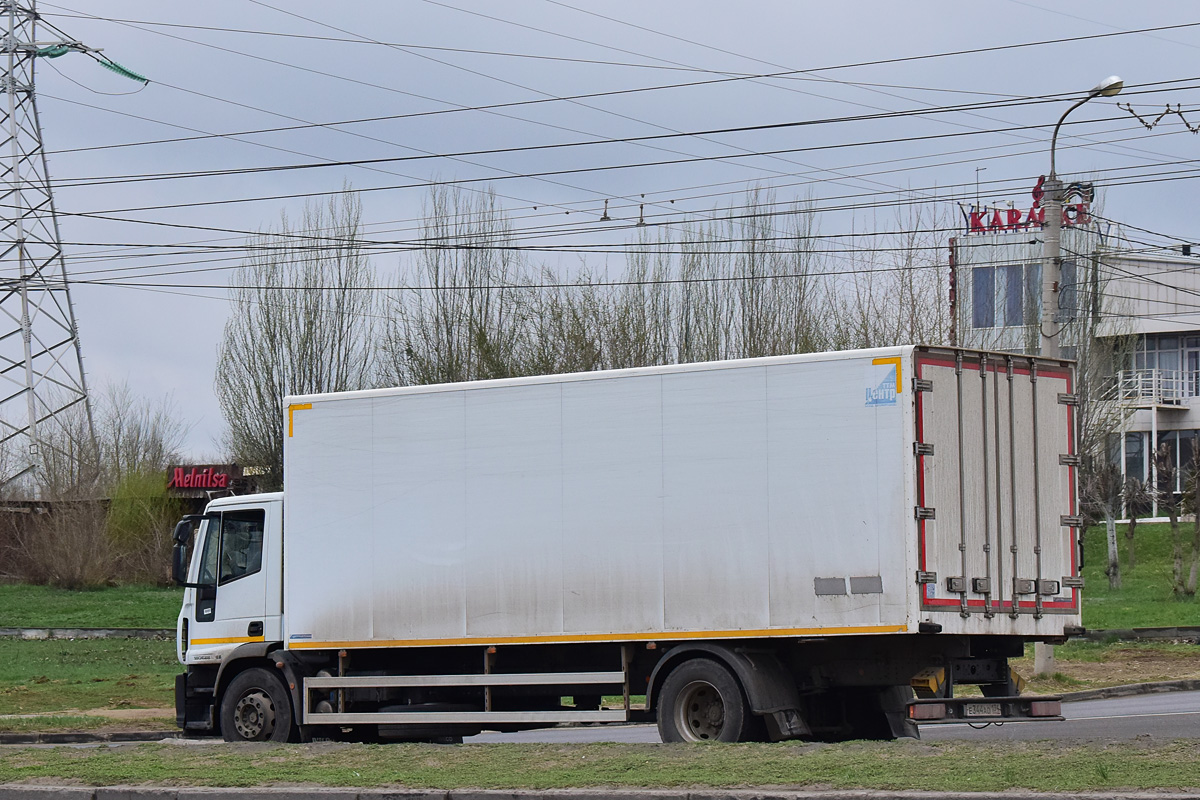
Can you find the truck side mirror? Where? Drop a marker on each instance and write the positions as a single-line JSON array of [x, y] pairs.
[[179, 563], [183, 530]]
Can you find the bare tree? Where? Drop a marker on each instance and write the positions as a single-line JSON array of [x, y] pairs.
[[103, 513], [1172, 502], [461, 323], [1192, 501], [1136, 494], [303, 320], [1100, 491], [894, 290]]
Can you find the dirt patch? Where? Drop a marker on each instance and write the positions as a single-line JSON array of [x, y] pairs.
[[1120, 665], [128, 713]]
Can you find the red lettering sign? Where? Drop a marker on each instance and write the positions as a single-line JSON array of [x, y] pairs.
[[1011, 220], [206, 478]]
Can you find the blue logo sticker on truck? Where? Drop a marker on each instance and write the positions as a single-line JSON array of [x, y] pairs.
[[884, 394]]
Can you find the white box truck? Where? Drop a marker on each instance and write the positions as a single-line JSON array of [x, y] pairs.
[[768, 548]]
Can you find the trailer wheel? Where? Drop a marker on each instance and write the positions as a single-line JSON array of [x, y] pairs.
[[256, 708], [702, 701]]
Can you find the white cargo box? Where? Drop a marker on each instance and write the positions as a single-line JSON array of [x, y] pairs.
[[802, 495]]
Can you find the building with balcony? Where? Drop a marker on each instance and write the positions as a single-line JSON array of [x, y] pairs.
[[1131, 317]]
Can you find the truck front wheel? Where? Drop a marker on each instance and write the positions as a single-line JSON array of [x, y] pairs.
[[702, 701], [256, 708]]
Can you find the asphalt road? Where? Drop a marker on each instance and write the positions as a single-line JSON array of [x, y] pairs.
[[1174, 715]]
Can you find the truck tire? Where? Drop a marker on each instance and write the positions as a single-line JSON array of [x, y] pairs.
[[256, 708], [701, 700]]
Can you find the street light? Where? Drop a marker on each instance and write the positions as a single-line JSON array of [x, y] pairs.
[[1052, 202]]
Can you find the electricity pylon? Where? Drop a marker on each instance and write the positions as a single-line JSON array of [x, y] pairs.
[[45, 412]]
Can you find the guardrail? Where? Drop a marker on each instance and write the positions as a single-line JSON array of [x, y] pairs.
[[1155, 386]]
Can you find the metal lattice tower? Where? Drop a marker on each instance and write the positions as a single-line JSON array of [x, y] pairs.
[[44, 408]]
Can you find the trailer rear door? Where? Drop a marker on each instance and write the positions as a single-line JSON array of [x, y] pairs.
[[996, 500]]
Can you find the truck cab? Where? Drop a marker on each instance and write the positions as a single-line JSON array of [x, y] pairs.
[[229, 560]]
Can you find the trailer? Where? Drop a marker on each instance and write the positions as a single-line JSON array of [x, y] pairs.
[[761, 549]]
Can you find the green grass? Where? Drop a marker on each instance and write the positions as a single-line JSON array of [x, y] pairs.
[[59, 674], [26, 606], [938, 766], [1144, 599], [49, 723]]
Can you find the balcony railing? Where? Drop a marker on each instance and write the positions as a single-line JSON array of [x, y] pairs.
[[1162, 387]]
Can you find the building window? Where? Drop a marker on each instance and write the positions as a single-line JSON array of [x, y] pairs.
[[1135, 456], [1157, 352], [1068, 292], [1180, 449], [983, 297], [1005, 296]]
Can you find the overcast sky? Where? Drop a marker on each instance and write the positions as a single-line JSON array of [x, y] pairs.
[[360, 60]]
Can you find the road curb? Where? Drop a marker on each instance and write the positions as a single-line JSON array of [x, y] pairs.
[[11, 791], [88, 633], [1130, 689], [86, 737], [1169, 632]]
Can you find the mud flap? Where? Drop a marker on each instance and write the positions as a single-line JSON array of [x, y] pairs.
[[894, 703]]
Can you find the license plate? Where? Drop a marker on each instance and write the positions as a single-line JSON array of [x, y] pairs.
[[983, 709]]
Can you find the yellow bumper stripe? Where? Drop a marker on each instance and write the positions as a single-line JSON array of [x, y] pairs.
[[230, 640]]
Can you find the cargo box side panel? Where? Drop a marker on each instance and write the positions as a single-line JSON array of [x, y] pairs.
[[715, 544], [613, 505], [419, 546], [841, 514], [740, 500], [514, 511], [328, 590], [996, 552]]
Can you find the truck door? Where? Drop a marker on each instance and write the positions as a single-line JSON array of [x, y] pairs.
[[996, 487], [230, 605]]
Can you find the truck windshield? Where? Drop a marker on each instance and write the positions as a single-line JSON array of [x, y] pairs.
[[210, 530]]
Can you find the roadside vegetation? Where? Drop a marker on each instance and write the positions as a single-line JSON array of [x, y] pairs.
[[62, 675], [928, 766], [1145, 597], [24, 605]]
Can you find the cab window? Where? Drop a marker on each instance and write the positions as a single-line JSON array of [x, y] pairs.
[[211, 531], [241, 544]]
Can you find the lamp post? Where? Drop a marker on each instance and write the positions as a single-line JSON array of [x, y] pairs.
[[1051, 325], [1052, 202]]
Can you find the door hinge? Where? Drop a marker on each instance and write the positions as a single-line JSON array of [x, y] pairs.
[[1068, 399], [1070, 460], [923, 448], [926, 577], [1072, 581], [1068, 521], [922, 385], [924, 512]]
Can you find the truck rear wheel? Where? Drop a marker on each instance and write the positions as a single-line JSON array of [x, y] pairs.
[[256, 708], [702, 701]]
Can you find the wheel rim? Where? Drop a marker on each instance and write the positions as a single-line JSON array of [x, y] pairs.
[[254, 715], [700, 712]]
